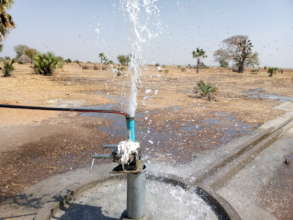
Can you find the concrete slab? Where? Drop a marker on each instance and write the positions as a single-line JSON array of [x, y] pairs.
[[243, 190]]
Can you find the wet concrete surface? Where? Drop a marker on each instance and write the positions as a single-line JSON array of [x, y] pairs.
[[275, 195], [107, 201], [262, 189]]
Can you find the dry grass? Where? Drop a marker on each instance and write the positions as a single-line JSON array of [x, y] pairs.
[[174, 89]]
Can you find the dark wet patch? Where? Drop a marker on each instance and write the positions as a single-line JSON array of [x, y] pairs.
[[260, 93], [179, 139]]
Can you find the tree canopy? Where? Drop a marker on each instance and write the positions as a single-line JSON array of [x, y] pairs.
[[21, 50], [124, 59], [198, 54], [239, 50], [6, 21]]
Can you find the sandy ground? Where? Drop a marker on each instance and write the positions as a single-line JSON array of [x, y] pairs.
[[35, 145]]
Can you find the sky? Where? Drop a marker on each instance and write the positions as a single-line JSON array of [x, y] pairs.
[[80, 29]]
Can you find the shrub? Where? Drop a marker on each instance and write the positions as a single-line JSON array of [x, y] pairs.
[[8, 67], [68, 60], [46, 64], [85, 67], [124, 60], [166, 71], [96, 67], [205, 90], [157, 64], [223, 63], [272, 70], [183, 69]]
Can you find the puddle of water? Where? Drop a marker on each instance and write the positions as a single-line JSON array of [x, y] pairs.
[[260, 93], [106, 201]]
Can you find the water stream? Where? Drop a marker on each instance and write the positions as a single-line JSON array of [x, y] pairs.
[[140, 13]]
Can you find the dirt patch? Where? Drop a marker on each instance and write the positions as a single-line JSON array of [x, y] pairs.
[[67, 149]]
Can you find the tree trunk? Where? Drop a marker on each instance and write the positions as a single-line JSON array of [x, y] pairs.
[[241, 68], [197, 66]]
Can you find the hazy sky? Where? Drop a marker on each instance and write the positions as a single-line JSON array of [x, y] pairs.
[[69, 28]]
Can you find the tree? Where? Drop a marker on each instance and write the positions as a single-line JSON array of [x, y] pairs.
[[222, 57], [103, 58], [124, 60], [239, 50], [198, 54], [21, 50], [6, 21]]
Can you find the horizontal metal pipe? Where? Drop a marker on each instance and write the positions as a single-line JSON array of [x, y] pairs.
[[102, 156], [64, 109]]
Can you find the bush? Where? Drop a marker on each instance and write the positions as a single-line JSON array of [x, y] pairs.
[[166, 71], [85, 67], [124, 60], [8, 67], [224, 63], [205, 90], [46, 64], [183, 69], [272, 70], [68, 60], [96, 67]]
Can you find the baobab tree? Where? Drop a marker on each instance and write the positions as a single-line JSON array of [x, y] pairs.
[[6, 21], [198, 54], [239, 50]]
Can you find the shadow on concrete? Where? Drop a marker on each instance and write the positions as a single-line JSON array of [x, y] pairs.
[[82, 212]]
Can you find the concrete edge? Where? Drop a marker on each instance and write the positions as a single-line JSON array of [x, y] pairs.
[[245, 159], [260, 134], [218, 204], [222, 209]]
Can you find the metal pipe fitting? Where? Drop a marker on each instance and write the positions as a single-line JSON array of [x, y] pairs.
[[131, 128]]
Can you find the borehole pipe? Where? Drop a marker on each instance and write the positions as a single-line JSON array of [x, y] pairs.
[[64, 109]]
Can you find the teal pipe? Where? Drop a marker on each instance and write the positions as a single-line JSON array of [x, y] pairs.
[[131, 129]]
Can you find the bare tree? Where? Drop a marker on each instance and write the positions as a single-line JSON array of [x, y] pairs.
[[222, 57], [239, 50]]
